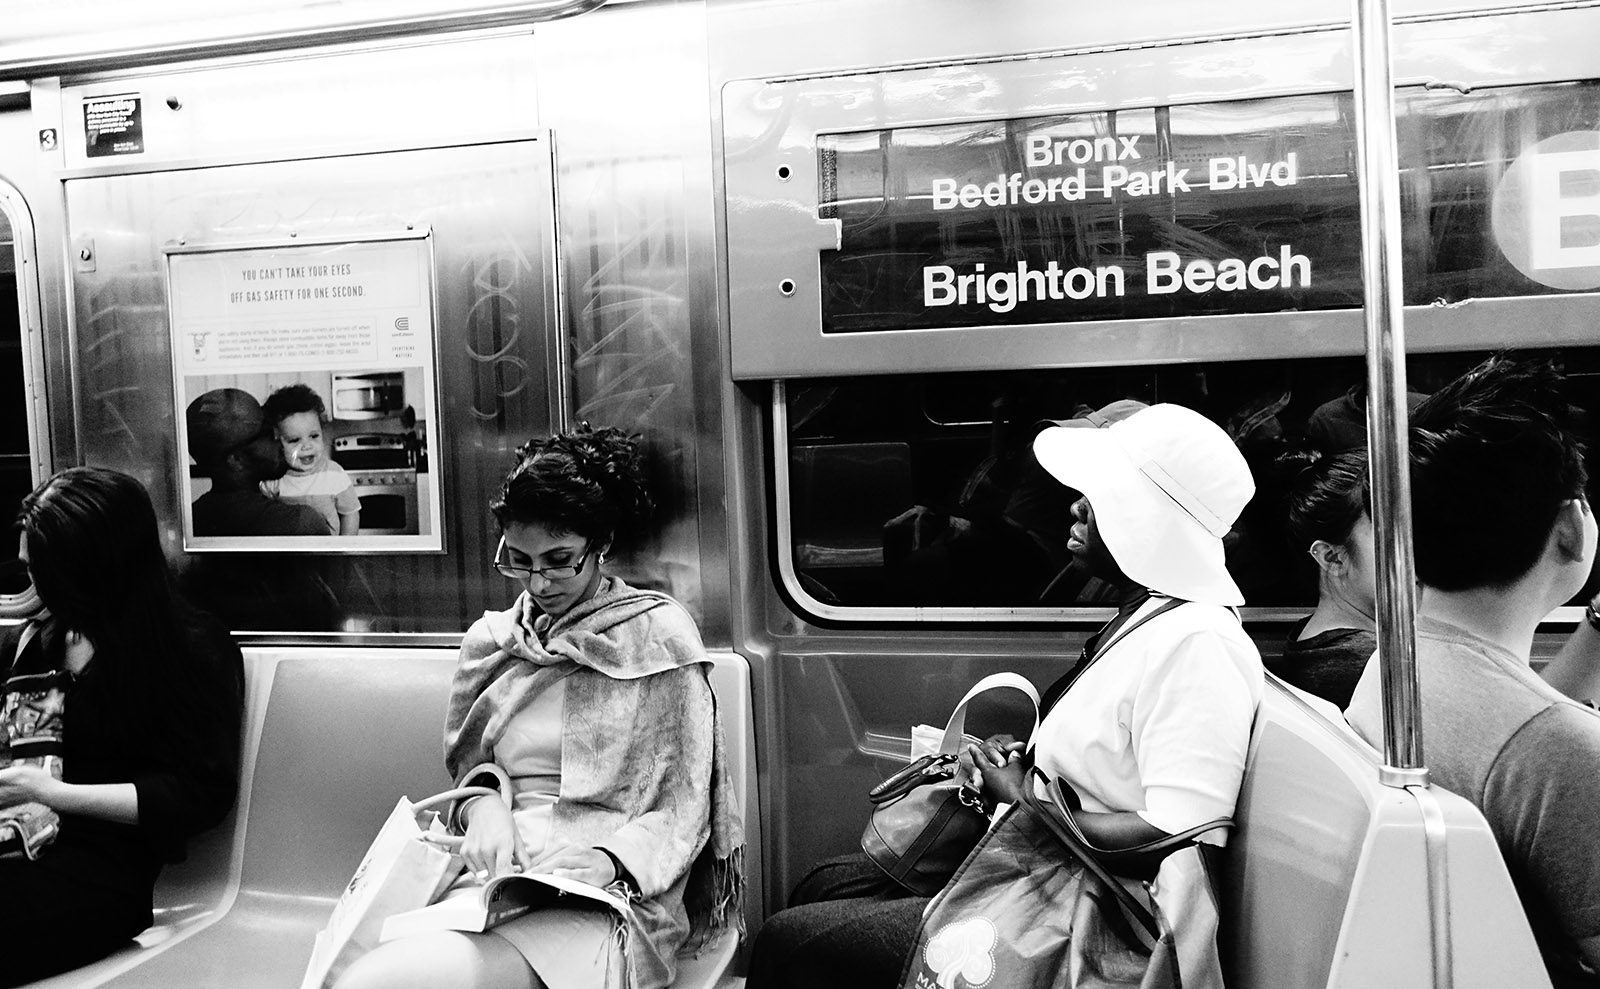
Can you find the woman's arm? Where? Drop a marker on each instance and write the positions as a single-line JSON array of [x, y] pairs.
[[675, 802], [1123, 829], [115, 802], [188, 776], [1002, 775]]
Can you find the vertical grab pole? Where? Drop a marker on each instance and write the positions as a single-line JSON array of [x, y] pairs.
[[1388, 452]]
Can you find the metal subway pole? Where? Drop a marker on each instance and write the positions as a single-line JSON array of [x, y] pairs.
[[1388, 451], [1389, 464]]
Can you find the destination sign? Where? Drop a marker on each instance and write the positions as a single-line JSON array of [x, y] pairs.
[[1224, 208]]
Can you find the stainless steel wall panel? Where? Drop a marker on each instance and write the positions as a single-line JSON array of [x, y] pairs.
[[494, 255], [624, 92], [416, 94]]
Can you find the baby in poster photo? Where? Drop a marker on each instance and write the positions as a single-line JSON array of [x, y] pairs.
[[296, 414]]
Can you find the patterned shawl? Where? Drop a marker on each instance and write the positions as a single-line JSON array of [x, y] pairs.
[[643, 766]]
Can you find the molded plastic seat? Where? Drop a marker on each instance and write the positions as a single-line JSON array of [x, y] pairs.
[[333, 737], [1327, 884]]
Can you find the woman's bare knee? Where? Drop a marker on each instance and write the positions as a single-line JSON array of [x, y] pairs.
[[444, 960]]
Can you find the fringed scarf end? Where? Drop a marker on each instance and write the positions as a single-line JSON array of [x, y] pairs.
[[721, 905]]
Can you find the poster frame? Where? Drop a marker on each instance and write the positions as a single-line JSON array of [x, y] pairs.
[[432, 517]]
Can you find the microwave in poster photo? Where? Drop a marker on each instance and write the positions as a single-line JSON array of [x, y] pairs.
[[306, 383]]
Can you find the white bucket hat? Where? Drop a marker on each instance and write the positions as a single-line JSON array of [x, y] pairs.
[[1166, 485]]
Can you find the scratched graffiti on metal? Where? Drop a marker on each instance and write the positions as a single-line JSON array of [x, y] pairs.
[[630, 357], [494, 330]]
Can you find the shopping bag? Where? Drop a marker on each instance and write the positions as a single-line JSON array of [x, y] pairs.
[[1024, 912], [400, 872]]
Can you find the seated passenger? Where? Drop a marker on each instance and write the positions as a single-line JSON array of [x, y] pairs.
[[1328, 518], [1503, 534], [1152, 734], [593, 696], [150, 698]]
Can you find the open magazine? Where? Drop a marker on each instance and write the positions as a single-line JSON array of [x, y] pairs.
[[499, 900]]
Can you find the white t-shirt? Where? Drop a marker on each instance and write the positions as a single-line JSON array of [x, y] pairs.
[[1160, 725]]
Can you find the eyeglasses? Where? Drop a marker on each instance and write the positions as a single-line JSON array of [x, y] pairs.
[[564, 572]]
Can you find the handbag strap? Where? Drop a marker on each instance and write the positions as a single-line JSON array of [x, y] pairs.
[[1049, 813], [1169, 843], [1118, 632], [1056, 814], [453, 794], [1126, 630], [956, 727]]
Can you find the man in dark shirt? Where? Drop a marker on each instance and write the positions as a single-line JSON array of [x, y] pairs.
[[228, 439]]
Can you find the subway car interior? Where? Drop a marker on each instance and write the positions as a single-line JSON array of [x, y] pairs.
[[834, 262]]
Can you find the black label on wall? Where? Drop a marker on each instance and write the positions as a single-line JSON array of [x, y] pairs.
[[113, 125]]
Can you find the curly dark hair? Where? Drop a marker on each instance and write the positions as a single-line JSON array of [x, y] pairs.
[[291, 399], [586, 481]]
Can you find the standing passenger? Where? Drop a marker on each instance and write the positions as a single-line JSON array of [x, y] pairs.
[[593, 697], [150, 723], [1328, 519], [1504, 534], [1152, 734]]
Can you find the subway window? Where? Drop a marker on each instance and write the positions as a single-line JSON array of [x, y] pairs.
[[921, 491], [16, 461]]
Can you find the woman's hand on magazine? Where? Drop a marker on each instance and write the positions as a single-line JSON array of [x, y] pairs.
[[21, 784], [492, 846], [586, 865]]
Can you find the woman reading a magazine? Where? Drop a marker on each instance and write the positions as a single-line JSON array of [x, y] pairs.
[[122, 708], [592, 697]]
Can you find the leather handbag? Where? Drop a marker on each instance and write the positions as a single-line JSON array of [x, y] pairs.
[[924, 821]]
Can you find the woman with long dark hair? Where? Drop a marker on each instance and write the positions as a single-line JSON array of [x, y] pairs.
[[592, 699], [149, 693]]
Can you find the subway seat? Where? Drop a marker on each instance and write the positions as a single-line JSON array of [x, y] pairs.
[[1326, 882], [332, 738]]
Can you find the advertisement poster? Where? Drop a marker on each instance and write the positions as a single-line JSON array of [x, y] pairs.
[[306, 397]]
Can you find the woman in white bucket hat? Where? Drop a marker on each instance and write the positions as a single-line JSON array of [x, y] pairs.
[[1153, 732]]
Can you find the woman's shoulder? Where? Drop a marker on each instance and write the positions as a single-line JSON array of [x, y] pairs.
[[665, 615], [489, 632], [1197, 616], [1210, 629]]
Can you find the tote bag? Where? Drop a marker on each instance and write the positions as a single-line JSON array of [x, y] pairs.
[[399, 872], [1033, 907]]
